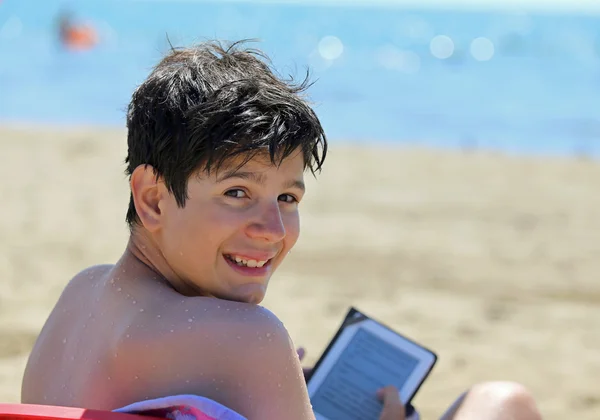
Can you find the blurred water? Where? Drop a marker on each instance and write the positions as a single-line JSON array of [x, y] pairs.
[[505, 80]]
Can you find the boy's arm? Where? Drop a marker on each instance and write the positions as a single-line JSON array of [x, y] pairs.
[[246, 362]]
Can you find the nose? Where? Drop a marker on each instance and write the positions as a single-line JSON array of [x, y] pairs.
[[268, 225]]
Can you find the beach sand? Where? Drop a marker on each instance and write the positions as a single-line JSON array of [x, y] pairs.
[[488, 259]]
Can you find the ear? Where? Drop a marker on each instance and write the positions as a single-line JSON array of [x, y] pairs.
[[146, 193]]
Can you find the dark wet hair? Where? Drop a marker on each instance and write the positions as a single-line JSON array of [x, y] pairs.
[[204, 105]]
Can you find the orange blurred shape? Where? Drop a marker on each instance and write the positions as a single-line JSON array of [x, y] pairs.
[[80, 37]]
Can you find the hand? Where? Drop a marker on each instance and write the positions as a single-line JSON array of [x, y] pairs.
[[307, 371], [393, 409]]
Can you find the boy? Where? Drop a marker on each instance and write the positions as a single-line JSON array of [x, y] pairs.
[[217, 150]]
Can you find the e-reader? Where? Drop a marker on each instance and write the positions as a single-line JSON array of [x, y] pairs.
[[364, 356]]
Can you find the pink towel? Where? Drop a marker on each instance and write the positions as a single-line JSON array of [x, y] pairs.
[[193, 407], [182, 407]]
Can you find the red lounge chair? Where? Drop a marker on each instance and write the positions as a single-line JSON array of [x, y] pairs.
[[49, 412]]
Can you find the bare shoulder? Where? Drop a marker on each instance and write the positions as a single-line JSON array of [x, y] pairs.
[[88, 276], [76, 294], [240, 355]]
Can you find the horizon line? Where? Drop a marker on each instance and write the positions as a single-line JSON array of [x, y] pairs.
[[505, 5]]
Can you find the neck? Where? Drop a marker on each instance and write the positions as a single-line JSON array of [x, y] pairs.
[[143, 251]]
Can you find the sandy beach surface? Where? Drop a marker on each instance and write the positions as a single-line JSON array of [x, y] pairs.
[[488, 259]]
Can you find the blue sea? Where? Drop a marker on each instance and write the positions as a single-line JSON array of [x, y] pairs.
[[525, 82]]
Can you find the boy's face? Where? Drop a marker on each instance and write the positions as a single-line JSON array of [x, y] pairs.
[[236, 228]]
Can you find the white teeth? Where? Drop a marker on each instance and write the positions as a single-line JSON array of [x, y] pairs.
[[248, 263]]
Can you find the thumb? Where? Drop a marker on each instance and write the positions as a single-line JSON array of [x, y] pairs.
[[393, 409]]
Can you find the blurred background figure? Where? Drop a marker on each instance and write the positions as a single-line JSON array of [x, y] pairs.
[[73, 35]]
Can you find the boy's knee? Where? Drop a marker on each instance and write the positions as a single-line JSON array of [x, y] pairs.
[[510, 399]]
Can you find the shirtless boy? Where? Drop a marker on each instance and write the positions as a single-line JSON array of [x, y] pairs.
[[217, 150]]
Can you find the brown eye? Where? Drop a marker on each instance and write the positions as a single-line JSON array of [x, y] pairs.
[[236, 193], [288, 198]]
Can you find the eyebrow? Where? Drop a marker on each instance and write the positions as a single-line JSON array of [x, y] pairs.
[[259, 179]]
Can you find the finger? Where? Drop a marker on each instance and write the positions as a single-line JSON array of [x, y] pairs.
[[301, 352], [388, 393], [393, 409]]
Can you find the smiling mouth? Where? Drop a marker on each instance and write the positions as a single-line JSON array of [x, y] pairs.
[[245, 262]]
